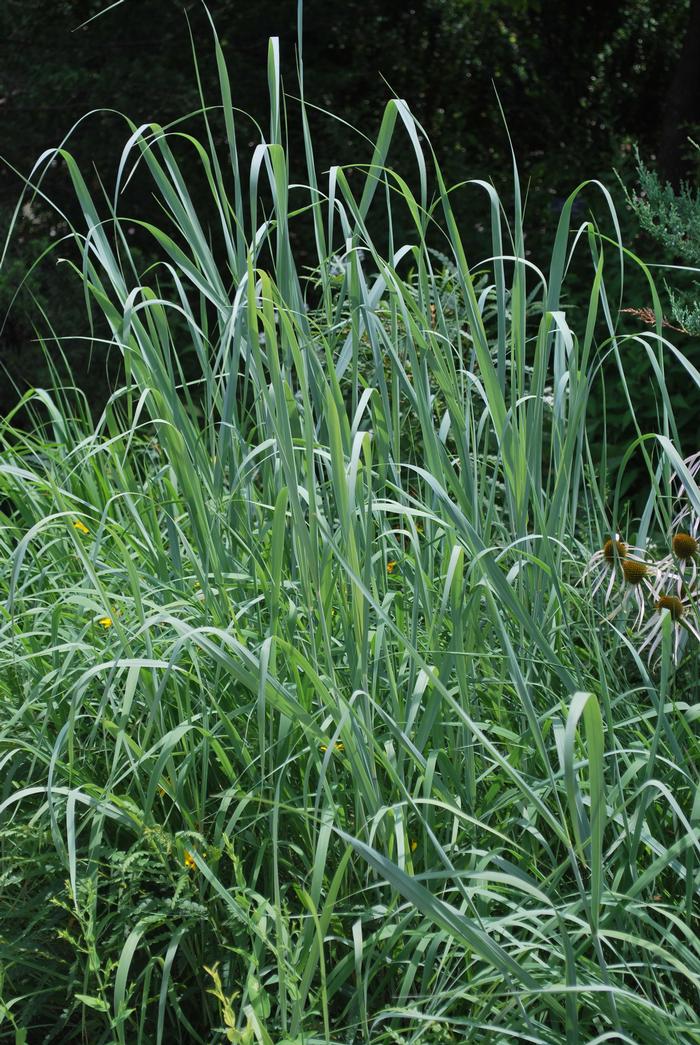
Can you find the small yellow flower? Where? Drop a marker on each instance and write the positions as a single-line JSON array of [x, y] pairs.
[[80, 526], [190, 862], [414, 845], [105, 622], [391, 566], [336, 747]]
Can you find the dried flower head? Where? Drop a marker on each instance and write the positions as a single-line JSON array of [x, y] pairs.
[[685, 546], [611, 548], [634, 571], [603, 564], [638, 583], [648, 316], [673, 604], [681, 613], [682, 562]]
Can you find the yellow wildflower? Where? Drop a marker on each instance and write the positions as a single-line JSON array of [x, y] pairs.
[[105, 622], [80, 526], [414, 845], [336, 747], [391, 566], [190, 862]]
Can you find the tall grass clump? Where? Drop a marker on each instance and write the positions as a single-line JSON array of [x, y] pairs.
[[340, 699]]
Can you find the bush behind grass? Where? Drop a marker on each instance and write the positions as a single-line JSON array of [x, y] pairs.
[[310, 731]]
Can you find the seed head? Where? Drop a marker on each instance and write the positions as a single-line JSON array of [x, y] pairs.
[[634, 572], [671, 603], [684, 546], [610, 547]]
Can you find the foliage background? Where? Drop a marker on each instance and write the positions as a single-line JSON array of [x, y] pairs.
[[579, 84], [302, 680]]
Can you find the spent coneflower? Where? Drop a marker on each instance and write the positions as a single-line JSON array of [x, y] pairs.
[[603, 564], [634, 571], [681, 612], [673, 604], [685, 546], [682, 560], [638, 583]]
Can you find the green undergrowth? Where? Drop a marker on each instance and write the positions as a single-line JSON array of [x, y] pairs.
[[311, 729]]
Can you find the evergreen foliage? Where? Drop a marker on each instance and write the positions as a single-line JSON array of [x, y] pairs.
[[673, 220]]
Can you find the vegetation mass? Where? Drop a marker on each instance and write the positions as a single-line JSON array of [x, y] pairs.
[[344, 698]]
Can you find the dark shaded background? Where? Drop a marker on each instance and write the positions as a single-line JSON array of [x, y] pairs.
[[579, 83]]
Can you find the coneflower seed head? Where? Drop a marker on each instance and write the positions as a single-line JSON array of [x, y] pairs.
[[684, 546], [634, 571], [671, 603], [610, 547]]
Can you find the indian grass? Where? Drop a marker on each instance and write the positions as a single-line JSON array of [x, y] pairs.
[[357, 758]]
